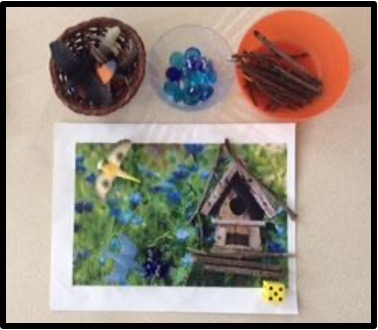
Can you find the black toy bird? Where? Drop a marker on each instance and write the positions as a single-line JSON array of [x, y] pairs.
[[80, 72]]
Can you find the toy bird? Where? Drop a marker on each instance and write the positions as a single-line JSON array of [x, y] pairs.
[[107, 45], [111, 169], [108, 42], [80, 73]]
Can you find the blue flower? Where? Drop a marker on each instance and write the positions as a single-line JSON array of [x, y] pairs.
[[157, 189], [83, 207], [115, 212], [102, 261], [88, 207], [123, 218], [79, 208], [123, 253], [80, 167], [180, 174], [183, 167], [194, 168], [115, 245], [205, 175], [91, 179], [147, 172], [151, 174], [187, 260], [275, 247], [150, 268], [164, 187], [172, 180], [124, 247], [86, 254], [280, 229], [135, 200], [137, 220], [182, 235], [153, 269], [80, 159], [112, 202], [174, 198], [82, 255], [194, 149]]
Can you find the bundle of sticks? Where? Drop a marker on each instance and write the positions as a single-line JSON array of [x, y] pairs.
[[239, 262], [279, 77]]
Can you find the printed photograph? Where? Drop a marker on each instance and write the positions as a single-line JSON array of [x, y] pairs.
[[179, 215]]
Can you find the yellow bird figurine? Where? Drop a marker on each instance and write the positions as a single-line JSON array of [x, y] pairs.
[[111, 169]]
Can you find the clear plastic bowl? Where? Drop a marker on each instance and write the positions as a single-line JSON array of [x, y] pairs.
[[210, 43]]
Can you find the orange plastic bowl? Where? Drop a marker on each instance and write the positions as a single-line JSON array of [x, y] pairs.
[[297, 31]]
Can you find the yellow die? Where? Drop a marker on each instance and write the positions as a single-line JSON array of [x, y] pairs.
[[273, 292]]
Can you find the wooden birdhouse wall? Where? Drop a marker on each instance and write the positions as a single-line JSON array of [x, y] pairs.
[[235, 208], [238, 205], [227, 213]]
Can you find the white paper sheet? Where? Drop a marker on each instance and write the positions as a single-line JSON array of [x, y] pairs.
[[65, 296]]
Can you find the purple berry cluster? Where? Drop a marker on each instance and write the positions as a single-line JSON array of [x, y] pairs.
[[155, 267]]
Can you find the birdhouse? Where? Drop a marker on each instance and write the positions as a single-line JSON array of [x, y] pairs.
[[237, 206]]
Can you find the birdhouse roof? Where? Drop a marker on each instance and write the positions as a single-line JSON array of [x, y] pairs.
[[254, 188]]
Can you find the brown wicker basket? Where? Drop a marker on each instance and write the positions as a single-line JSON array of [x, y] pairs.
[[81, 37]]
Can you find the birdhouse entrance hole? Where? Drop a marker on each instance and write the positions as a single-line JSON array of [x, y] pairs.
[[237, 206], [244, 201]]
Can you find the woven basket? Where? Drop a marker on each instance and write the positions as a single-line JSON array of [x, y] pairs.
[[79, 38]]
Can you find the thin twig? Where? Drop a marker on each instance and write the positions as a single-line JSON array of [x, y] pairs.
[[221, 261], [276, 73], [288, 59], [240, 254], [244, 271]]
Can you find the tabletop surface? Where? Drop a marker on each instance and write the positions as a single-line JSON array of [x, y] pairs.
[[333, 164]]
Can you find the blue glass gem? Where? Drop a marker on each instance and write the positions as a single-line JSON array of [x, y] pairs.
[[195, 78], [193, 52], [207, 92], [179, 95], [193, 90], [170, 88], [174, 74], [190, 77], [173, 92], [193, 63], [191, 99], [177, 60], [212, 76], [206, 65]]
